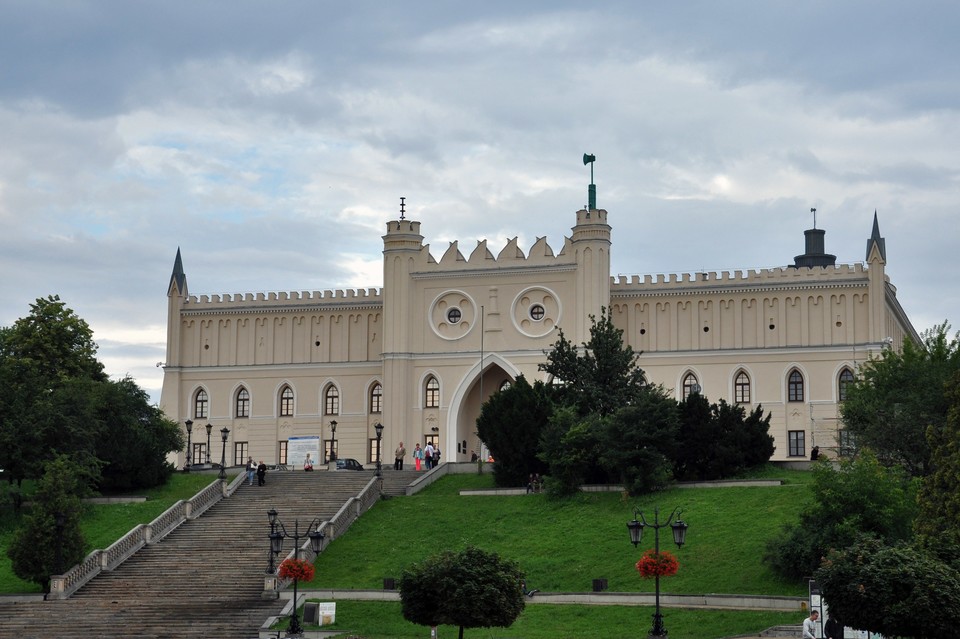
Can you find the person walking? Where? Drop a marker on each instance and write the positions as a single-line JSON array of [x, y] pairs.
[[833, 629], [417, 456], [428, 455], [398, 456], [261, 473], [810, 626], [251, 470]]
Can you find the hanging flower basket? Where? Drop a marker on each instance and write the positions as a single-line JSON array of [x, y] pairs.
[[653, 565], [296, 569]]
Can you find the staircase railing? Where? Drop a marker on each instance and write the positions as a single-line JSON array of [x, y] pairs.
[[62, 586]]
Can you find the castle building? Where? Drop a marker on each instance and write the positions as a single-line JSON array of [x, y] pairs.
[[421, 354]]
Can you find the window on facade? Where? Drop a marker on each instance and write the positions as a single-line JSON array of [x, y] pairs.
[[243, 403], [199, 453], [433, 440], [505, 384], [848, 447], [376, 398], [454, 316], [797, 446], [331, 401], [329, 446], [240, 453], [795, 386], [846, 378], [200, 403], [690, 385], [741, 388], [537, 312], [286, 402], [432, 395], [282, 452], [373, 452]]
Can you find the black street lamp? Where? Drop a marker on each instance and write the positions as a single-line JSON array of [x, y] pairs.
[[223, 456], [679, 537], [272, 518], [189, 426], [333, 440], [277, 535], [209, 428], [379, 428]]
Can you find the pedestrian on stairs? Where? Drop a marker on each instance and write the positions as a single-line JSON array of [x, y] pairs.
[[261, 473], [417, 455], [398, 456], [251, 470]]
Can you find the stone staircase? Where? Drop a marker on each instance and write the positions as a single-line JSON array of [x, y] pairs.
[[205, 579]]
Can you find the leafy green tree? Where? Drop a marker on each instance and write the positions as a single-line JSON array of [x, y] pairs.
[[639, 442], [938, 522], [720, 440], [470, 589], [861, 498], [602, 376], [898, 591], [570, 446], [897, 397], [41, 547], [510, 424]]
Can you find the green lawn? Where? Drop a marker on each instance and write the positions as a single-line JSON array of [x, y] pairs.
[[564, 545]]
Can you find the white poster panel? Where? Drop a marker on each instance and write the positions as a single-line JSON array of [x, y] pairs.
[[299, 448]]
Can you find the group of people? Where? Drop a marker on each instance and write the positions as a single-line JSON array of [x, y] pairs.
[[427, 457], [260, 470], [534, 484], [833, 629]]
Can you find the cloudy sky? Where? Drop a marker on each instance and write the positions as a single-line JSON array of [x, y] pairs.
[[271, 141]]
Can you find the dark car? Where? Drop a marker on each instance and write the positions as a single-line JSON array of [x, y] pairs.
[[349, 464]]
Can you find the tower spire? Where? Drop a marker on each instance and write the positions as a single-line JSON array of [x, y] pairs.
[[876, 240]]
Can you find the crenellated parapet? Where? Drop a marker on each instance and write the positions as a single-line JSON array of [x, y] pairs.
[[281, 299], [715, 280]]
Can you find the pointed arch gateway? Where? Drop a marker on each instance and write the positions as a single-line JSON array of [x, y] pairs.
[[465, 404]]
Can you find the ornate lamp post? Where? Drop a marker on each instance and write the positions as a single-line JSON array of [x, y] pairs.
[[679, 537], [189, 426], [278, 534], [379, 428], [276, 541], [333, 440], [209, 428], [223, 456]]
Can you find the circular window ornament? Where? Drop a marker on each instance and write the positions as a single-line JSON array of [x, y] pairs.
[[454, 315], [537, 312]]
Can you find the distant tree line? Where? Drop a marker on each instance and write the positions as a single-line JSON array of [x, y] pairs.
[[600, 421]]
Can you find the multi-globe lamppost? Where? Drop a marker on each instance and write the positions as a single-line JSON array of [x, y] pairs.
[[277, 534], [635, 528]]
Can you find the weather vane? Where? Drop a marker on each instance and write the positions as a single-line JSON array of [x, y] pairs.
[[401, 207], [592, 190], [814, 211]]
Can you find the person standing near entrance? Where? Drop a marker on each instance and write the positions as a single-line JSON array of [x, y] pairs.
[[428, 455], [398, 456], [417, 456], [251, 470]]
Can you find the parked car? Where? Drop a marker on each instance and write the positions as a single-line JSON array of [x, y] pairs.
[[349, 464]]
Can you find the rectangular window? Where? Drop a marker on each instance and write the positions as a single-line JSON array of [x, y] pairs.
[[373, 452], [199, 453], [282, 452], [327, 449], [240, 453], [431, 439], [243, 404], [848, 447], [797, 443]]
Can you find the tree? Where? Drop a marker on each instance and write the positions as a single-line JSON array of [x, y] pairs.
[[720, 440], [898, 396], [570, 446], [861, 498], [510, 424], [470, 589], [894, 590], [50, 540], [938, 521], [603, 377], [639, 442]]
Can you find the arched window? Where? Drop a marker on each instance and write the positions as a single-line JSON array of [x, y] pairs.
[[505, 384], [331, 401], [431, 396], [243, 403], [376, 398], [286, 402], [846, 378], [795, 386], [741, 388], [200, 403], [690, 385]]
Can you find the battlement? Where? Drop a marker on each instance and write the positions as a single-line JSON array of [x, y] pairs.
[[284, 298], [712, 279]]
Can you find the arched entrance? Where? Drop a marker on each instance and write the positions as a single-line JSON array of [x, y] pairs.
[[473, 390]]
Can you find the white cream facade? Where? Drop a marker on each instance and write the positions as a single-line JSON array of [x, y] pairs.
[[419, 354]]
